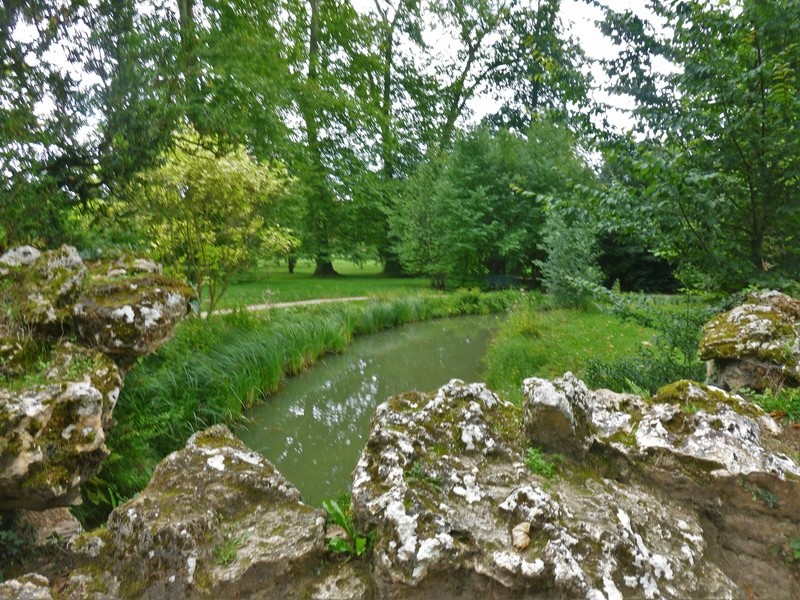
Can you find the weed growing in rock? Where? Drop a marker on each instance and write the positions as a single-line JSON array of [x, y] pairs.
[[354, 545], [539, 464], [226, 552]]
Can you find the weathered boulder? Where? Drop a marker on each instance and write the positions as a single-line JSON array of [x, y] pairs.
[[722, 459], [133, 316], [216, 521], [690, 494], [56, 397], [52, 427], [755, 345], [443, 481], [558, 414], [28, 587], [41, 286]]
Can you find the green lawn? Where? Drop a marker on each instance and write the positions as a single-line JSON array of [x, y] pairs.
[[547, 343], [275, 284]]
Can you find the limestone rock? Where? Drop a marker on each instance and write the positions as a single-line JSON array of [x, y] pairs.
[[444, 514], [28, 587], [123, 267], [21, 256], [558, 414], [755, 345], [41, 286], [216, 521], [52, 428], [52, 525], [343, 581], [132, 316], [722, 457]]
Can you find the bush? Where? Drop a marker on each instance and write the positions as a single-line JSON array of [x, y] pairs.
[[570, 272]]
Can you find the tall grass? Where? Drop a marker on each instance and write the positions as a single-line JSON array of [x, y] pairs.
[[546, 343], [216, 368]]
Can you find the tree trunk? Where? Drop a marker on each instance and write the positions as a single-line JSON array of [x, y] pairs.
[[319, 217], [189, 62], [391, 264], [324, 268]]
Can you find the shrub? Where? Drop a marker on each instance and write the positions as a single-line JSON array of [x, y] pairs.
[[570, 272]]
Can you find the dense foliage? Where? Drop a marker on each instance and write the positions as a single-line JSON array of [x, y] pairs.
[[371, 118], [709, 176], [478, 212], [202, 211]]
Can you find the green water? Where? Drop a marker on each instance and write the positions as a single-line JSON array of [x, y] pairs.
[[314, 428]]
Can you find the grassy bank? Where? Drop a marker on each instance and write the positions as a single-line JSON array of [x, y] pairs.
[[535, 342], [216, 368]]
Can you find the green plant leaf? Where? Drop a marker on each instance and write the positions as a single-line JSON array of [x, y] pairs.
[[340, 545]]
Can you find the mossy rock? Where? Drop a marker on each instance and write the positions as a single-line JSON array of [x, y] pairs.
[[38, 291], [133, 316], [122, 267], [214, 494], [52, 427], [765, 327]]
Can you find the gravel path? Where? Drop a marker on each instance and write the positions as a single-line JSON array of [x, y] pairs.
[[271, 305]]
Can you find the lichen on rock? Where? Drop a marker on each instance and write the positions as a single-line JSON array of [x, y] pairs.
[[216, 521], [40, 287], [755, 345], [558, 414], [133, 316], [52, 432], [446, 516], [56, 397]]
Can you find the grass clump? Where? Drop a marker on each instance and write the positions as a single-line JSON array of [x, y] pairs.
[[227, 551], [677, 324], [214, 369], [539, 464], [783, 403], [547, 343]]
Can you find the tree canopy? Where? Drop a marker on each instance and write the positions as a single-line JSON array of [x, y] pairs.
[[368, 107]]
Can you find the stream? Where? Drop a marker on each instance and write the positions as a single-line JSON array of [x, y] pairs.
[[314, 427]]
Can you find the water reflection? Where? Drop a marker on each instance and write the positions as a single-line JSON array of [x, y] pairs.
[[314, 428]]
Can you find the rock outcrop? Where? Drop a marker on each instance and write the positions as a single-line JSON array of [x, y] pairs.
[[690, 494], [52, 428], [66, 334], [755, 345], [216, 521], [458, 513]]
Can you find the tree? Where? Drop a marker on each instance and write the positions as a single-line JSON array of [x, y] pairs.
[[478, 210], [713, 169], [48, 168], [202, 210]]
